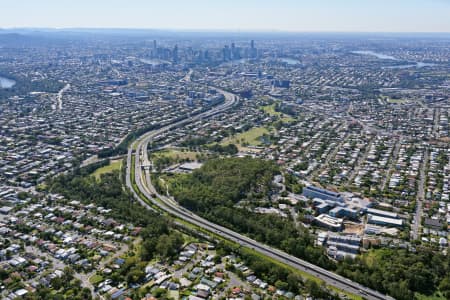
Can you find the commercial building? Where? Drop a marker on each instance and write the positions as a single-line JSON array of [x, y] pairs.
[[382, 213], [340, 212], [323, 208], [372, 229], [384, 221], [329, 222], [315, 192], [344, 239]]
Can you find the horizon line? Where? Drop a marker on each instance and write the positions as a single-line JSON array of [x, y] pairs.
[[226, 30]]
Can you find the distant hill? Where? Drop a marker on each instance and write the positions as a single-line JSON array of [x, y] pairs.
[[20, 40]]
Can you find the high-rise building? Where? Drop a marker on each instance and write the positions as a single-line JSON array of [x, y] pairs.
[[175, 54], [154, 52], [235, 52], [253, 53], [226, 53]]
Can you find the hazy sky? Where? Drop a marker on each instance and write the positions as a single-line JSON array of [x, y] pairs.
[[285, 15]]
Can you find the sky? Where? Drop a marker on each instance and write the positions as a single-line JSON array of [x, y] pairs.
[[232, 15]]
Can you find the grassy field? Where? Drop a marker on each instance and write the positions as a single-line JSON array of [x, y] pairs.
[[174, 295], [174, 153], [270, 109], [250, 137], [432, 297], [394, 101], [95, 279], [113, 165]]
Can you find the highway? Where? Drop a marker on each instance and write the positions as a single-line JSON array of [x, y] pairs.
[[143, 183]]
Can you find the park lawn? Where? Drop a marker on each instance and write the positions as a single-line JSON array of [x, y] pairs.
[[149, 284], [113, 165], [174, 295], [174, 153], [188, 239], [250, 137], [95, 279], [435, 296], [42, 186], [394, 101], [270, 109]]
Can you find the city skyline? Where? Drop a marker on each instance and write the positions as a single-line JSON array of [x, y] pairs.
[[284, 16]]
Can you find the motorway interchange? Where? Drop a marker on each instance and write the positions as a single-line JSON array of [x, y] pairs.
[[147, 192]]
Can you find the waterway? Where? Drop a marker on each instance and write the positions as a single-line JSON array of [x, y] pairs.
[[6, 83], [290, 61], [154, 61], [415, 65], [235, 62], [408, 64], [376, 54]]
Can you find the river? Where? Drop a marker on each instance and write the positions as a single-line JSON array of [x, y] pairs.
[[376, 54], [290, 61], [408, 64], [6, 83], [414, 65], [154, 61], [234, 62]]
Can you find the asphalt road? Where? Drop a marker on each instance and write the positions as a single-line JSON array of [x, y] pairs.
[[166, 204], [420, 196]]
